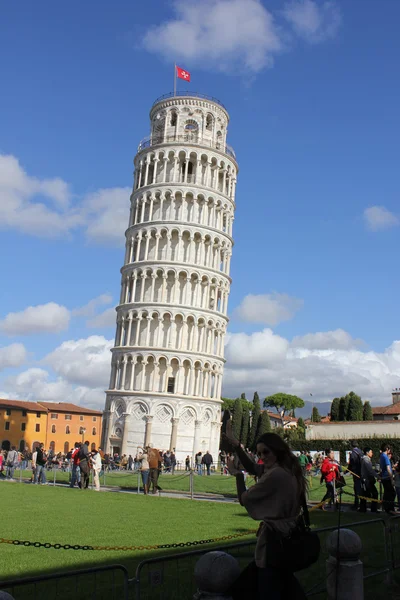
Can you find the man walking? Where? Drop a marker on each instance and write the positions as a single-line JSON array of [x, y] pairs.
[[41, 459], [368, 479], [389, 493], [330, 473], [154, 464], [173, 460], [76, 472], [96, 465], [11, 463], [84, 465], [207, 461], [355, 467], [303, 460]]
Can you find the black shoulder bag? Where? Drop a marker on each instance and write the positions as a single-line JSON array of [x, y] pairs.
[[297, 551]]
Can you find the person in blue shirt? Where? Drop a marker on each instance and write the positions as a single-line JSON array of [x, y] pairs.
[[389, 493]]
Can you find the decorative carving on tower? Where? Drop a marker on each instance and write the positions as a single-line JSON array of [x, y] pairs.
[[168, 357]]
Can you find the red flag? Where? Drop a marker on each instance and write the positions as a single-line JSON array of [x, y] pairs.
[[182, 74]]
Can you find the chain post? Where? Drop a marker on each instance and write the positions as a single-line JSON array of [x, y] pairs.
[[138, 482], [191, 484], [54, 476]]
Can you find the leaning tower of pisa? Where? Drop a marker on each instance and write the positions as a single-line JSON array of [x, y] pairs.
[[168, 357]]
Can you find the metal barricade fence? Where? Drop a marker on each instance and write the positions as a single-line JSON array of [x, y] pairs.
[[98, 583], [171, 577]]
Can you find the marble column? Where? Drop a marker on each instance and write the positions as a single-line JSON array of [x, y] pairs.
[[196, 440], [124, 449], [174, 433], [147, 435]]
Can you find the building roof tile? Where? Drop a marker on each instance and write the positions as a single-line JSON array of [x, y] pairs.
[[391, 409], [22, 405], [69, 408], [45, 407]]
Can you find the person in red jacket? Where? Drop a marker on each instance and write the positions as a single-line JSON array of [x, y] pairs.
[[330, 474]]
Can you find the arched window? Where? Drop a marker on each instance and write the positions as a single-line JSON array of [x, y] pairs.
[[81, 430], [66, 447], [94, 431], [67, 430], [173, 118], [53, 446], [209, 122], [53, 429]]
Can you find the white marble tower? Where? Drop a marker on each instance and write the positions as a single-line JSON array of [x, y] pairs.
[[168, 358]]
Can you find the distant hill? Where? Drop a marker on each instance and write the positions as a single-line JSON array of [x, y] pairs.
[[323, 409]]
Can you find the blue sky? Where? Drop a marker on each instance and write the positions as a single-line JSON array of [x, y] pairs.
[[313, 95]]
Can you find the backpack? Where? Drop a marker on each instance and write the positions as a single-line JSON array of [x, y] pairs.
[[355, 461]]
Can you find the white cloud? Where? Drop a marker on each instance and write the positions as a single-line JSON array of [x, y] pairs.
[[313, 21], [256, 349], [36, 385], [85, 362], [34, 206], [107, 215], [227, 34], [276, 365], [44, 318], [13, 355], [238, 36], [105, 319], [378, 218], [89, 309], [326, 340], [46, 207], [269, 309]]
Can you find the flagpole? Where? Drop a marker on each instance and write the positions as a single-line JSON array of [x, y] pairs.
[[174, 79]]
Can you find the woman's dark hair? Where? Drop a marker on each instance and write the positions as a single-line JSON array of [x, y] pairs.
[[367, 449], [285, 458], [385, 447], [327, 451]]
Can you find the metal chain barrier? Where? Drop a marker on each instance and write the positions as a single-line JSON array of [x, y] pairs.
[[47, 545]]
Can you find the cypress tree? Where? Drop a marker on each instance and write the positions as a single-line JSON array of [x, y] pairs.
[[316, 417], [255, 415], [355, 407], [237, 418], [367, 412], [301, 424], [244, 433], [264, 423], [343, 408], [335, 409]]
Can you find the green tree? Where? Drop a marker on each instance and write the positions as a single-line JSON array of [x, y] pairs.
[[283, 403], [264, 423], [300, 429], [301, 424], [343, 408], [255, 414], [243, 396], [367, 412], [335, 409], [237, 418], [315, 417], [244, 433], [355, 407]]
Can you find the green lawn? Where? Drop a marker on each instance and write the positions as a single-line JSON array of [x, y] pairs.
[[65, 516], [180, 481]]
